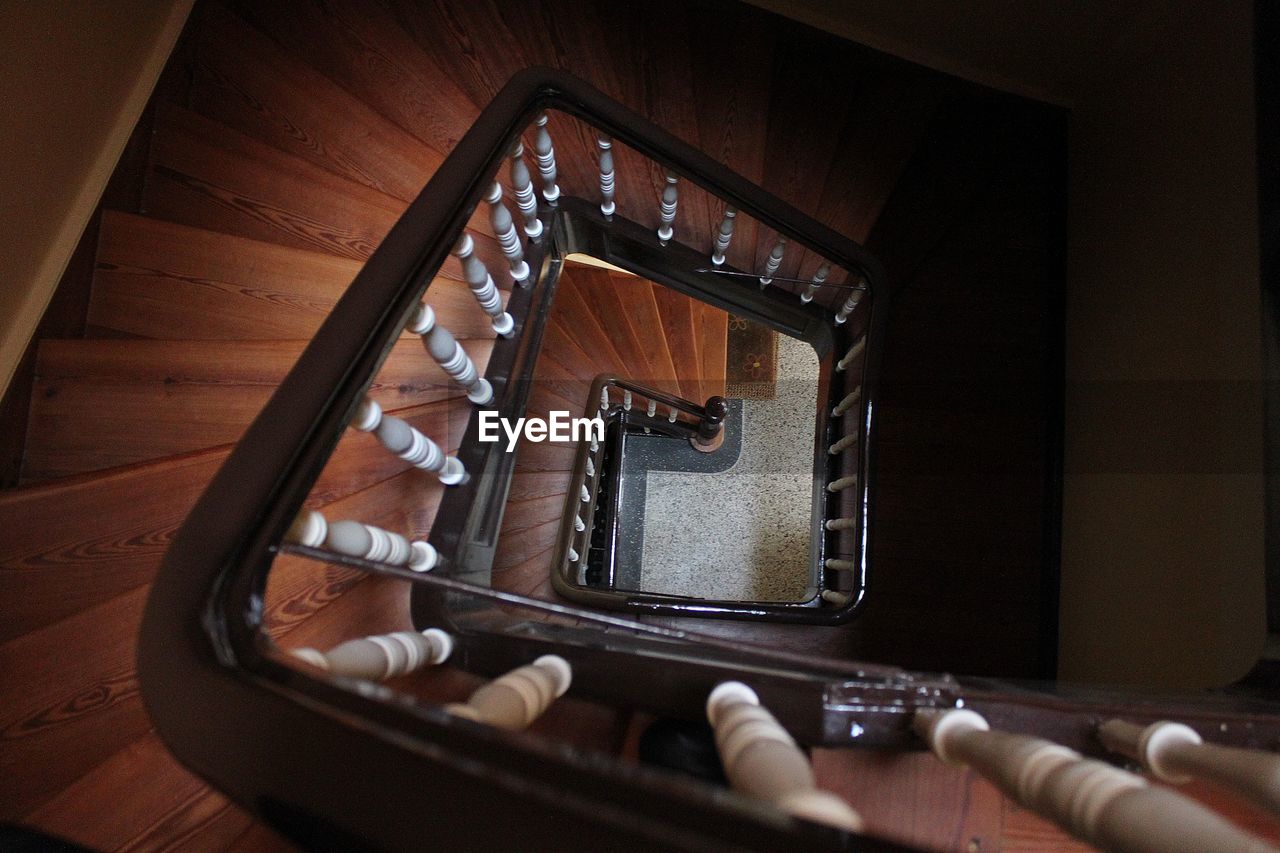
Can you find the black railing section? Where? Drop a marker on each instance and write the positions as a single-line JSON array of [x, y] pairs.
[[585, 565], [348, 764]]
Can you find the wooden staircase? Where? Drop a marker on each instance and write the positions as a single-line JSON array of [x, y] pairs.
[[283, 142]]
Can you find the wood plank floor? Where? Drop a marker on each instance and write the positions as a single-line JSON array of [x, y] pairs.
[[287, 137]]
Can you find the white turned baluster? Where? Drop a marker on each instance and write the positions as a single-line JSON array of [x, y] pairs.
[[724, 236], [591, 467], [1175, 753], [384, 656], [546, 155], [578, 524], [595, 445], [482, 286], [761, 760], [408, 443], [847, 308], [353, 539], [605, 145], [818, 278], [839, 599], [671, 415], [504, 228], [667, 209], [774, 261], [573, 555], [651, 411], [515, 700], [585, 495], [526, 198], [449, 354], [848, 402], [626, 400], [604, 398], [840, 565], [842, 524], [1103, 805], [843, 444], [852, 354], [842, 484]]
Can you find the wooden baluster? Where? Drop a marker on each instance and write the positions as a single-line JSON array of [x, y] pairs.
[[848, 402], [482, 286], [843, 444], [546, 156], [841, 484], [515, 700], [504, 228], [761, 760], [384, 656], [667, 209], [775, 260], [724, 236], [852, 354], [1175, 753], [364, 541], [837, 565], [1103, 805], [408, 443], [605, 146], [817, 281], [526, 198], [449, 354], [841, 523], [839, 599], [847, 308]]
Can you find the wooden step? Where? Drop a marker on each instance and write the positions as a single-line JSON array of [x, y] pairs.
[[75, 544], [242, 78], [208, 175], [341, 40], [103, 403], [81, 545], [164, 801], [72, 593], [158, 279], [68, 700]]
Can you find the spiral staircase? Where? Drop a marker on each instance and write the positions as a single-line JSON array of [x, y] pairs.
[[282, 144]]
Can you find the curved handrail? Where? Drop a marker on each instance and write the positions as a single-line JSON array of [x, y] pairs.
[[210, 683]]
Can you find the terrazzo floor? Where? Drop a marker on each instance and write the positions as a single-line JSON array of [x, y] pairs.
[[743, 534]]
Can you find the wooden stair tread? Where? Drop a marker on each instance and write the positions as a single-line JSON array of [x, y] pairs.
[[81, 545], [55, 728], [163, 796], [210, 176], [242, 78], [158, 279], [103, 403], [362, 48]]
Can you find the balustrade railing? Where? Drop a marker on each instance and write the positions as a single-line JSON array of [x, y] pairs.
[[235, 707]]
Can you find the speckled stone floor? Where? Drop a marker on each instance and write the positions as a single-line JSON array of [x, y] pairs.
[[744, 533]]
